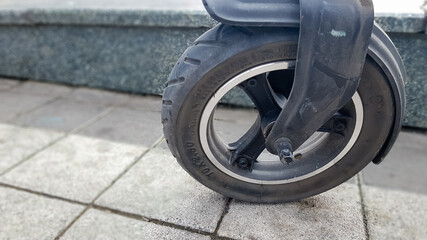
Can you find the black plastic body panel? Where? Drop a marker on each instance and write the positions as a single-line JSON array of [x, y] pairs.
[[278, 13]]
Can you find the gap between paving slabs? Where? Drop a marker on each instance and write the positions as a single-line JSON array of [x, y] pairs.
[[363, 205]]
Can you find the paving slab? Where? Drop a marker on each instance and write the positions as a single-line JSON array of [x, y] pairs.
[[77, 168], [97, 96], [231, 123], [145, 103], [13, 104], [41, 88], [28, 216], [395, 214], [17, 143], [404, 168], [96, 224], [335, 214], [6, 84], [61, 115], [129, 126], [246, 116], [158, 188]]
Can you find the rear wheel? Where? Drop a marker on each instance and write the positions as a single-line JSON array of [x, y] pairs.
[[256, 65]]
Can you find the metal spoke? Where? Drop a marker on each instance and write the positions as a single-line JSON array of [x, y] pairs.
[[260, 92], [246, 150]]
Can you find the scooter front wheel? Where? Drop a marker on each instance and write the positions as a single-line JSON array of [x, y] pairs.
[[256, 65]]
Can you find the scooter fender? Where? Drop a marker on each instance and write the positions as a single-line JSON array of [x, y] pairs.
[[263, 13], [286, 13]]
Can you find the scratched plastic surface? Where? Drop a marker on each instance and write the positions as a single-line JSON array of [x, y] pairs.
[[279, 13]]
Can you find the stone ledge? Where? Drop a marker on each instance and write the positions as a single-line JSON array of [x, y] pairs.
[[144, 13], [119, 18], [410, 23]]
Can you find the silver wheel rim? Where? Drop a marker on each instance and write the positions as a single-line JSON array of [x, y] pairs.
[[281, 65]]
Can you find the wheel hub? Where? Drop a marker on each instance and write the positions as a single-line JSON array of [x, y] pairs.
[[244, 159]]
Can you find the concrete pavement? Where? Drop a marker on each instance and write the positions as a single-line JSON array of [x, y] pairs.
[[79, 163]]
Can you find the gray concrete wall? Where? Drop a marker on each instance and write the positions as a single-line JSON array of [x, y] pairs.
[[126, 59]]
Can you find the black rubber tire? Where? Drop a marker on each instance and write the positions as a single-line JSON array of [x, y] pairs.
[[226, 51]]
